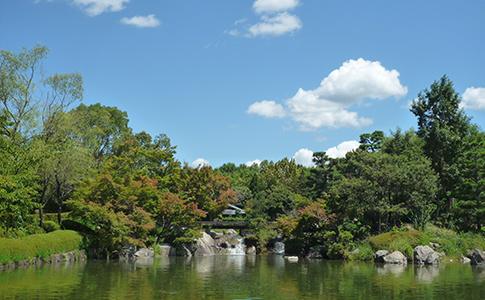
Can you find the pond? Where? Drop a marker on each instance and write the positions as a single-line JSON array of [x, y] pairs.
[[242, 277]]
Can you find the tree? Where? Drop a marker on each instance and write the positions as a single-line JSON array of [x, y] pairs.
[[371, 141], [210, 190], [471, 190], [100, 129], [442, 126]]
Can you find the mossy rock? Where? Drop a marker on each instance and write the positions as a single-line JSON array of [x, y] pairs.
[[412, 237]]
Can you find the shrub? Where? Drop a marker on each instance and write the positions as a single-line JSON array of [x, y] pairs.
[[50, 226], [39, 245], [413, 238], [365, 252]]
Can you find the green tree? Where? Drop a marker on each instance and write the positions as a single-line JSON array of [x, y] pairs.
[[471, 190], [442, 125]]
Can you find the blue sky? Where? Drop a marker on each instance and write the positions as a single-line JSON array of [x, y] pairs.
[[241, 81]]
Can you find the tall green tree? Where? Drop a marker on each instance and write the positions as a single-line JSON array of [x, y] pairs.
[[471, 189], [442, 125]]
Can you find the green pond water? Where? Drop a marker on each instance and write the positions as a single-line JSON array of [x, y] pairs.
[[242, 277]]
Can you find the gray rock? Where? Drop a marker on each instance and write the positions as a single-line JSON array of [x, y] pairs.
[[379, 255], [465, 260], [356, 251], [231, 232], [477, 257], [184, 250], [315, 253], [424, 255], [251, 250], [164, 250], [144, 253], [205, 245], [395, 257]]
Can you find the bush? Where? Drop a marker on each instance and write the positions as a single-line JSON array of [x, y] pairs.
[[39, 245], [50, 226], [455, 244], [403, 239], [365, 252]]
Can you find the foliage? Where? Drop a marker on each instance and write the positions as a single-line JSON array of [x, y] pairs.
[[39, 245], [50, 226], [385, 241], [442, 125]]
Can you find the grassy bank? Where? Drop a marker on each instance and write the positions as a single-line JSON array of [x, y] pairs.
[[454, 245], [39, 245]]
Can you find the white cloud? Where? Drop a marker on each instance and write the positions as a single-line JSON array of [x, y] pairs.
[[474, 98], [97, 7], [274, 6], [304, 157], [200, 162], [280, 24], [268, 109], [142, 21], [342, 149], [253, 162], [328, 104]]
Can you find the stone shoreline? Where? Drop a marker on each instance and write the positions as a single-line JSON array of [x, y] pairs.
[[73, 256]]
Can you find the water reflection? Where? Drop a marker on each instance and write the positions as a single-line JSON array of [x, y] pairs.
[[241, 277], [390, 269], [426, 274]]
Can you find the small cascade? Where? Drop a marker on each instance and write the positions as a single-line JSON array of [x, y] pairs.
[[238, 249], [230, 245], [279, 248]]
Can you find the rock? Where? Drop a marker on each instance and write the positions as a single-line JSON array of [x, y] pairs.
[[465, 260], [127, 252], [291, 258], [379, 255], [477, 257], [144, 253], [395, 257], [251, 250], [435, 246], [183, 250], [356, 251], [205, 245], [424, 255], [231, 232], [315, 252], [164, 250]]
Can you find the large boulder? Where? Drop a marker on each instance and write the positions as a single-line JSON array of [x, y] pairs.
[[395, 257], [477, 257], [144, 253], [424, 255], [205, 245]]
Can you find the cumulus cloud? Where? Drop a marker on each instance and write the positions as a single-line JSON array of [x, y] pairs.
[[304, 157], [200, 162], [253, 162], [142, 21], [274, 6], [268, 109], [328, 105], [97, 7], [342, 149], [280, 24], [275, 20], [474, 98]]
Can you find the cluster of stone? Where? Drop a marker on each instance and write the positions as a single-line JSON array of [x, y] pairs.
[[73, 256]]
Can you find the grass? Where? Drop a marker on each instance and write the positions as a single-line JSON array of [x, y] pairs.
[[39, 245]]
